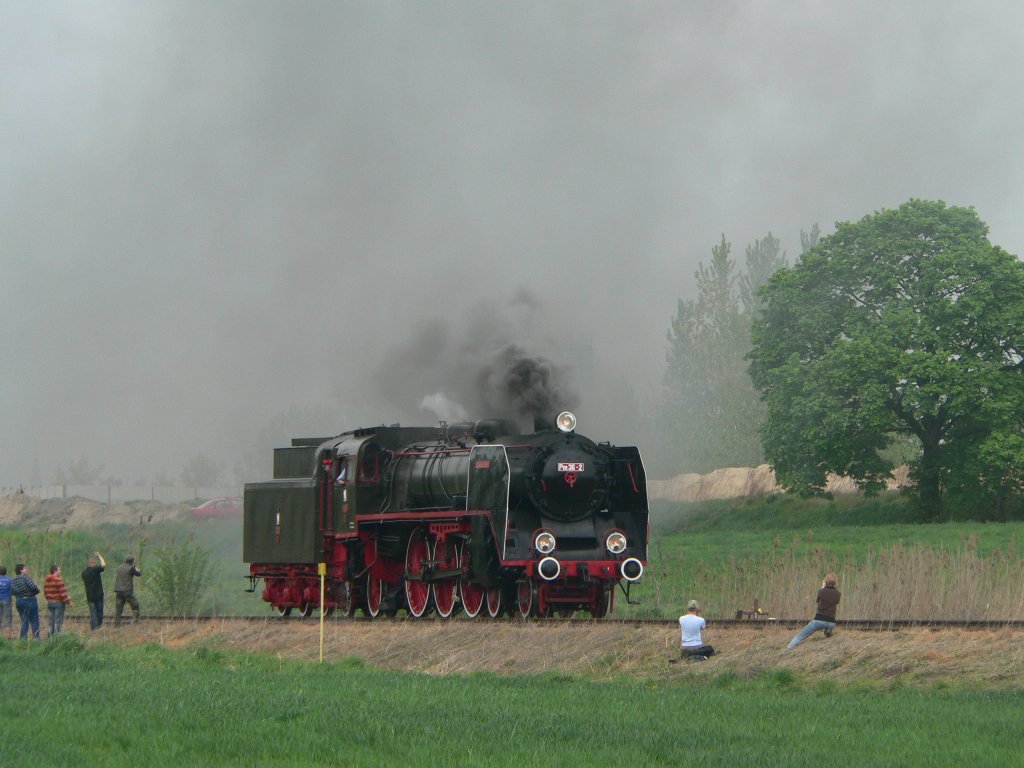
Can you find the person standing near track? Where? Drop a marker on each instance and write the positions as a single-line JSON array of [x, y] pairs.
[[825, 617], [57, 600], [24, 591], [124, 588], [93, 581], [6, 616]]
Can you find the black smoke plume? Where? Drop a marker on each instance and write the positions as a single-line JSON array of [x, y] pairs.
[[481, 364], [526, 386]]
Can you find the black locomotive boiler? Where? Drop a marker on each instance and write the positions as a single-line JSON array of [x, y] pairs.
[[470, 516]]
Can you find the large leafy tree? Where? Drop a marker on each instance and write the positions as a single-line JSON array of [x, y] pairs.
[[906, 323]]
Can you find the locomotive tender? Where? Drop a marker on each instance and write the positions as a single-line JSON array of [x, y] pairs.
[[469, 516]]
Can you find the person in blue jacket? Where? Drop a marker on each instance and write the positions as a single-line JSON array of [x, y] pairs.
[[6, 616]]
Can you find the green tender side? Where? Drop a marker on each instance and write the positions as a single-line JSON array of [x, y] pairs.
[[280, 523]]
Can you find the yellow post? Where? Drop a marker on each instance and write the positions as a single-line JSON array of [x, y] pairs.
[[321, 568]]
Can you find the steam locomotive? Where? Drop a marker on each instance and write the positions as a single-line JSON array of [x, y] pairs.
[[471, 516]]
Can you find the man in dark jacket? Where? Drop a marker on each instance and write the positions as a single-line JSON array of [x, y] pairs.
[[24, 591], [94, 589], [124, 588]]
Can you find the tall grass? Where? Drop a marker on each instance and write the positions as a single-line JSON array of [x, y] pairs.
[[891, 583], [70, 549], [726, 554], [885, 572]]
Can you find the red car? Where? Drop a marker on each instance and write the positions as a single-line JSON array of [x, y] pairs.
[[223, 506]]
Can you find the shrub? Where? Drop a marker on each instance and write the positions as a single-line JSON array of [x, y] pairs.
[[180, 577]]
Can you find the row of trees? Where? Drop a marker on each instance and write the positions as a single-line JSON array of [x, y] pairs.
[[200, 471], [711, 412], [898, 338], [203, 471]]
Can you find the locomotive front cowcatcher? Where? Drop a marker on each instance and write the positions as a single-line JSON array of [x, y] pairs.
[[469, 516]]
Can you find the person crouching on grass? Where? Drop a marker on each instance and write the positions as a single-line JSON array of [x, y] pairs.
[[825, 618], [690, 625]]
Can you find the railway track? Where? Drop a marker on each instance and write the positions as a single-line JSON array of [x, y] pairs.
[[863, 625]]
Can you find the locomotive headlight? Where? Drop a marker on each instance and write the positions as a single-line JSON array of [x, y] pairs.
[[616, 542], [566, 421], [549, 569], [544, 542], [632, 569]]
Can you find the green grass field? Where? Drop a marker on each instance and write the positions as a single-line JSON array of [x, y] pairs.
[[73, 703]]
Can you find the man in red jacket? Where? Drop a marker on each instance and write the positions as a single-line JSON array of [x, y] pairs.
[[56, 593]]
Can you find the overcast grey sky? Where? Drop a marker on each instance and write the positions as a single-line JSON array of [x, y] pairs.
[[212, 213]]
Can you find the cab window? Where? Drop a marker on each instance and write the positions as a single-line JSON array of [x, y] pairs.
[[369, 467]]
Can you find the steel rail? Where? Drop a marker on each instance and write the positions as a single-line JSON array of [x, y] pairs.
[[866, 625]]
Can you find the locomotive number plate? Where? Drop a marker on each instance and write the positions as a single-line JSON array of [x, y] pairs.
[[566, 466]]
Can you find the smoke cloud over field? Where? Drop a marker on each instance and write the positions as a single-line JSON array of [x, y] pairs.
[[527, 386], [483, 362], [224, 223]]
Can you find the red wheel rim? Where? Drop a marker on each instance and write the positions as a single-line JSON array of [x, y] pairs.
[[472, 594], [525, 598], [472, 597], [494, 602], [445, 589], [374, 591], [417, 592], [344, 598]]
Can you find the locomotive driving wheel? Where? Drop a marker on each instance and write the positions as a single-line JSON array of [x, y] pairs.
[[344, 598], [495, 602], [526, 598], [446, 590], [418, 593], [305, 610], [283, 611], [374, 595], [472, 594]]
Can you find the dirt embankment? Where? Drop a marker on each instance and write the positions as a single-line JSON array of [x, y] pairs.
[[982, 659], [29, 513], [22, 511], [742, 482]]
